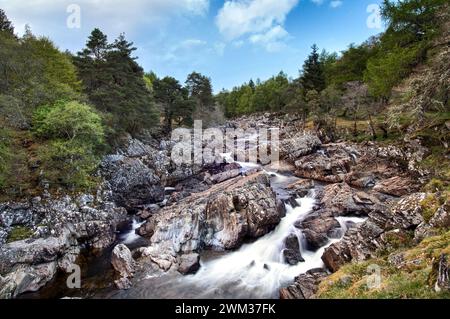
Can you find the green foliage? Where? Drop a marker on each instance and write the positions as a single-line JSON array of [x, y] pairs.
[[149, 79], [274, 95], [414, 278], [351, 65], [387, 69], [312, 75], [412, 20], [33, 72], [330, 100], [5, 24], [5, 156], [72, 135], [19, 233], [200, 93], [328, 61], [175, 102], [69, 121], [200, 90], [115, 84]]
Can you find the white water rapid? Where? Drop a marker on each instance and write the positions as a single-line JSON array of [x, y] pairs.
[[257, 270], [130, 236]]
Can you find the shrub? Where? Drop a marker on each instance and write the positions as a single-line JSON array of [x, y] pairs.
[[73, 138]]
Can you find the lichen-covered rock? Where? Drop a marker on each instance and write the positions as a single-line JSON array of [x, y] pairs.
[[316, 229], [305, 286], [330, 164], [343, 200], [32, 252], [220, 218], [300, 145], [441, 218], [396, 186], [26, 278], [364, 241], [131, 181], [301, 188], [123, 263], [361, 166], [59, 227]]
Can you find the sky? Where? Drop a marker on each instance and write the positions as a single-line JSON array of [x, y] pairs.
[[230, 41]]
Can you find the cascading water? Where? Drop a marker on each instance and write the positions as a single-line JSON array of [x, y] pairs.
[[257, 270], [130, 236]]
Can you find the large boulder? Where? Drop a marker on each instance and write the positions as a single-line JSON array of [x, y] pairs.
[[291, 252], [362, 166], [189, 264], [330, 164], [220, 218], [332, 201], [396, 186], [132, 182], [299, 145], [123, 263], [316, 230], [26, 278], [305, 286], [32, 252], [343, 200], [57, 229], [372, 236]]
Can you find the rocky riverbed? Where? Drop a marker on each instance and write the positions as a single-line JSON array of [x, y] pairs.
[[203, 230]]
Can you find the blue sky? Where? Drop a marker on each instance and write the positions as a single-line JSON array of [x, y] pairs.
[[229, 41]]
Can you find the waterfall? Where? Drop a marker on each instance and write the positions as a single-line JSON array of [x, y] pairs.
[[130, 236], [257, 270]]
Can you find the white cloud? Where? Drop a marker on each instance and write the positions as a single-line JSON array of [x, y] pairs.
[[116, 15], [240, 17], [272, 40], [318, 2], [259, 21], [183, 48], [191, 43], [336, 3]]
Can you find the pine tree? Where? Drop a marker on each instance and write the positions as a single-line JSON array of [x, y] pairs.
[[5, 24], [252, 85], [114, 83], [175, 102], [97, 45], [200, 93], [312, 76], [200, 89]]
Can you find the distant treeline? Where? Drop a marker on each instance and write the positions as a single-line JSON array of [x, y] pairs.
[[374, 67]]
